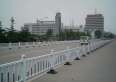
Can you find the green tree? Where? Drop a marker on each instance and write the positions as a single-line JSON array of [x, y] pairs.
[[77, 35], [69, 34], [2, 34], [24, 36], [11, 32], [98, 34], [49, 34], [109, 35]]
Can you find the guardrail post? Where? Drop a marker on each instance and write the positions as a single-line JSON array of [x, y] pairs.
[[10, 45], [78, 54], [52, 61], [39, 44], [26, 44], [19, 44], [23, 68], [83, 50], [33, 44], [68, 57], [88, 48], [92, 47]]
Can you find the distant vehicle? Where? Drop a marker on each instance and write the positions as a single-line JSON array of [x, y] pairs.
[[84, 40]]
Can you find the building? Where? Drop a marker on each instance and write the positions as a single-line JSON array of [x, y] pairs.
[[74, 28], [94, 22], [41, 27], [58, 22]]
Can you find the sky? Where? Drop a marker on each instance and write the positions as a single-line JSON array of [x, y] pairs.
[[27, 11]]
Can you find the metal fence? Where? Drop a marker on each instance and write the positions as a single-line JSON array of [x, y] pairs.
[[26, 68]]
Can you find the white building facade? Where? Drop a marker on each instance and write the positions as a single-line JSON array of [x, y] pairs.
[[41, 27], [94, 22]]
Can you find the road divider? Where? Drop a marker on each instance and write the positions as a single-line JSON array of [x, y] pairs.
[[27, 68]]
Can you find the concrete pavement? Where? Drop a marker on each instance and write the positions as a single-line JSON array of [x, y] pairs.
[[99, 66]]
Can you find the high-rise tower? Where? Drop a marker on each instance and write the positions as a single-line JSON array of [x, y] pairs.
[[58, 22]]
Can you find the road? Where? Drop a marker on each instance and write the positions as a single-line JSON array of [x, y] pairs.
[[7, 55], [99, 66]]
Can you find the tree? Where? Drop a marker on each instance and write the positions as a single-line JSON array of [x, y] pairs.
[[12, 24], [98, 34], [11, 33], [61, 35], [2, 34], [69, 34], [49, 34], [109, 35], [88, 34], [77, 35], [24, 36]]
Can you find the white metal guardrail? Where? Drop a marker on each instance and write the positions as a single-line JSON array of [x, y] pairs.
[[26, 68]]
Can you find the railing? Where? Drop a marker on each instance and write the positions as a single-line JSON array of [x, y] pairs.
[[26, 68]]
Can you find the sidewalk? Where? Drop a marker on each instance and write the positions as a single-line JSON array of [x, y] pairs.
[[99, 66]]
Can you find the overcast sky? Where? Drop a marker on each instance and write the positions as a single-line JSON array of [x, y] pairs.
[[26, 11]]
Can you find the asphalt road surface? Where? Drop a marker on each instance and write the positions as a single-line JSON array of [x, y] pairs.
[[7, 55], [99, 66]]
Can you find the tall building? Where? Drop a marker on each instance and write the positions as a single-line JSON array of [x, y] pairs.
[[41, 27], [94, 22], [58, 21]]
